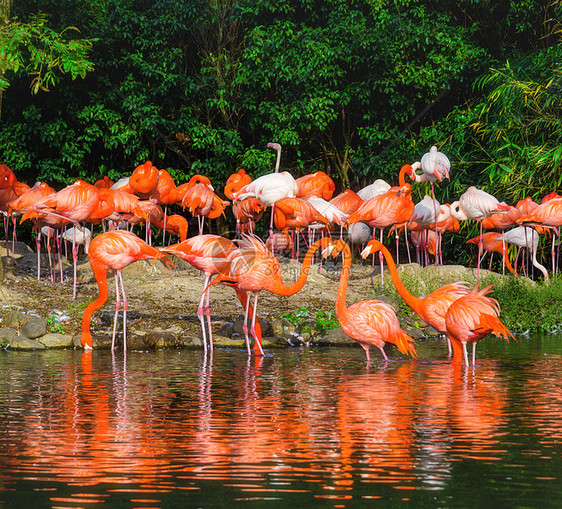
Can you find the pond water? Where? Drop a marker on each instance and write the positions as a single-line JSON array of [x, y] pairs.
[[308, 427]]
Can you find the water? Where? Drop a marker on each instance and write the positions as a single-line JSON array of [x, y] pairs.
[[299, 428]]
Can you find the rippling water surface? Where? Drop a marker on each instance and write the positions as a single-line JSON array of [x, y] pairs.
[[301, 427]]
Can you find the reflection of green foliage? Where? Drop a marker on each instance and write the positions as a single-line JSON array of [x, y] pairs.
[[312, 322]]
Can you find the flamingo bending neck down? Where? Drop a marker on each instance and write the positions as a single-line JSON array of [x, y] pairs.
[[471, 318], [114, 250], [369, 322], [433, 307], [254, 268]]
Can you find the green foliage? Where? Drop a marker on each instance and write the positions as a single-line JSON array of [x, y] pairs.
[[54, 325], [526, 306], [312, 322], [42, 52]]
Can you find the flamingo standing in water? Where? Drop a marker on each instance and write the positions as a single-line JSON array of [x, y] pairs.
[[528, 238], [433, 307], [369, 322], [471, 318], [254, 268], [114, 250], [492, 242]]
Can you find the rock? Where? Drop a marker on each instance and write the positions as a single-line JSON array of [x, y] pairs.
[[336, 337], [414, 332], [277, 327], [15, 319], [430, 331], [239, 323], [23, 343], [20, 248], [226, 330], [76, 343], [55, 340], [7, 334], [34, 327]]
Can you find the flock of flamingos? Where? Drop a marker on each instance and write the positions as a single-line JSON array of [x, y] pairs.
[[249, 265]]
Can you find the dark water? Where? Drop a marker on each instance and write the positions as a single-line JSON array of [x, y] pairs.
[[299, 428]]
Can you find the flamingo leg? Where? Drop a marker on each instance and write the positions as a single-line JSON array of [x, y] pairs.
[[74, 260], [208, 313], [465, 354], [38, 246], [381, 348], [117, 306], [245, 326], [437, 246], [125, 305], [480, 246], [200, 314], [407, 243], [381, 258], [253, 329], [473, 353]]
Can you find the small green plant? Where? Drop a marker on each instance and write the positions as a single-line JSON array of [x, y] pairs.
[[53, 325], [314, 323]]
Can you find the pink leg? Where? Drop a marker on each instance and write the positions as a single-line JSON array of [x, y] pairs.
[[117, 306], [473, 353], [381, 348], [381, 258], [465, 354], [208, 313], [253, 329], [200, 313], [74, 259], [245, 326], [38, 246], [125, 305], [407, 243]]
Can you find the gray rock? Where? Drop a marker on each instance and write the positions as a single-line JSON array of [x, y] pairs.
[[23, 343], [34, 327], [76, 343], [277, 327], [15, 319], [414, 332], [54, 340]]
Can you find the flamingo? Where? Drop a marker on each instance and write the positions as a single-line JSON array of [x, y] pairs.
[[114, 250], [392, 208], [477, 204], [254, 268], [471, 318], [316, 184], [433, 307], [176, 225], [75, 203], [165, 194], [492, 242], [369, 322], [429, 212], [24, 203], [209, 254], [549, 215], [270, 188], [144, 179], [379, 186], [348, 201], [235, 182], [524, 237]]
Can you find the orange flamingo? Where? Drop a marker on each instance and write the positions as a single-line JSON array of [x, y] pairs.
[[114, 250], [395, 207], [494, 242], [235, 182], [471, 318], [254, 268], [24, 203], [202, 202], [209, 254], [315, 184], [144, 179], [176, 225], [348, 201], [369, 322], [433, 307]]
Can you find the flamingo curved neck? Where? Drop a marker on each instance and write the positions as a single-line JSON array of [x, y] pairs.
[[413, 302], [341, 299], [297, 286], [457, 212], [406, 170], [100, 273]]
